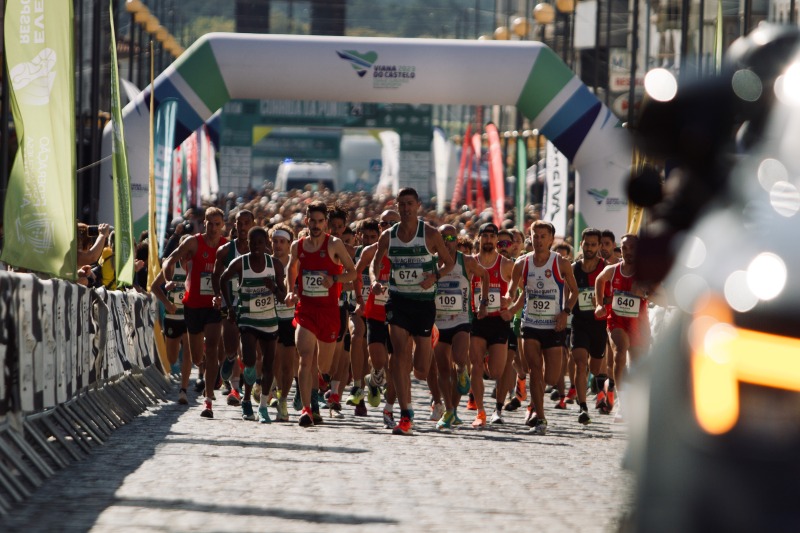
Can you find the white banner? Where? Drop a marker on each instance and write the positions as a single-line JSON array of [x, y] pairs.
[[390, 172], [555, 192], [441, 163]]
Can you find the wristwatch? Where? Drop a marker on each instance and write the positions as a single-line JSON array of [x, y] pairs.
[[485, 301], [567, 310]]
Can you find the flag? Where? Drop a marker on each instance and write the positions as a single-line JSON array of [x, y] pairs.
[[480, 200], [441, 162], [497, 193], [39, 215], [522, 178], [389, 182], [164, 141], [457, 193], [123, 225], [555, 194]]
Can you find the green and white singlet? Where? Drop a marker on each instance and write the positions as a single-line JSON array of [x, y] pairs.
[[256, 308]]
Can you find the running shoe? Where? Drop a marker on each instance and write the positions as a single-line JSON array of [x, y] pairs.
[[554, 395], [234, 398], [497, 418], [378, 379], [335, 406], [610, 400], [373, 392], [226, 370], [583, 418], [446, 422], [207, 412], [471, 405], [226, 387], [600, 401], [437, 411], [361, 409], [403, 427], [513, 404], [561, 404], [539, 427], [462, 381], [356, 396], [306, 418], [297, 403], [182, 398], [530, 416], [273, 402], [263, 416], [316, 416], [247, 411], [480, 420], [494, 393], [520, 392], [548, 389], [388, 419], [572, 395], [282, 412], [199, 386], [249, 375], [457, 421], [256, 392]]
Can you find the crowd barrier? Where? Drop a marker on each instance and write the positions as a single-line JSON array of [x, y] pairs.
[[76, 364]]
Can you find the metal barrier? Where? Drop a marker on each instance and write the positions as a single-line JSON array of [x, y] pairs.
[[75, 364]]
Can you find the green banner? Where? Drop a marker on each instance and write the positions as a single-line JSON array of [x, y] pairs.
[[40, 203], [522, 183], [123, 233]]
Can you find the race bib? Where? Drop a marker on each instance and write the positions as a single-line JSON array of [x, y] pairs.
[[625, 304], [451, 302], [382, 298], [494, 299], [408, 276], [284, 313], [206, 289], [542, 306], [263, 305], [312, 283], [176, 297], [586, 299]]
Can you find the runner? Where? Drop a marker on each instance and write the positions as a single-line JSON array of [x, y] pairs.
[[318, 265], [588, 339], [286, 360], [626, 313], [202, 318], [238, 246], [490, 334], [374, 309], [261, 282], [175, 335], [543, 275], [411, 310], [510, 244], [454, 319]]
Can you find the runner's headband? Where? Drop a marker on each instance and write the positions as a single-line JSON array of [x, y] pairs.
[[282, 233]]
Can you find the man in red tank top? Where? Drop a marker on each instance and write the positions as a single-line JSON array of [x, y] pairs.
[[318, 265], [202, 318], [625, 311]]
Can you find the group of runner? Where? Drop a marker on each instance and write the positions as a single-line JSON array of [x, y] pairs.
[[331, 306]]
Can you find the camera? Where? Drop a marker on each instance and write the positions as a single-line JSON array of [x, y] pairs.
[[94, 231]]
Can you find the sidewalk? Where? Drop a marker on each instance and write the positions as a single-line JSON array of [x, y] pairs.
[[171, 470]]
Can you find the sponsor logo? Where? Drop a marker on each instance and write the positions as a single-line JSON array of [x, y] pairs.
[[548, 273], [540, 284], [33, 80], [598, 195], [361, 62]]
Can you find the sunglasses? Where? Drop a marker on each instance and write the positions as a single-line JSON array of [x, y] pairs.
[[503, 244], [449, 238], [384, 224]]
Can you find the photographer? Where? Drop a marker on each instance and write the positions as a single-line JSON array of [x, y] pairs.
[[88, 252]]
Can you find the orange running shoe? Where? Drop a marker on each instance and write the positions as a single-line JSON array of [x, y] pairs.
[[480, 420], [403, 427], [601, 400], [471, 405], [572, 395]]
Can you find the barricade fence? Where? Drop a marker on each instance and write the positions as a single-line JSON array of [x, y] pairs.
[[76, 364]]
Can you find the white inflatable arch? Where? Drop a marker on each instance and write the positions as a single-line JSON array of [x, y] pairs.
[[528, 74]]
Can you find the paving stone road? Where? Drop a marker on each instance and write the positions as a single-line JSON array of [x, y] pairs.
[[172, 471]]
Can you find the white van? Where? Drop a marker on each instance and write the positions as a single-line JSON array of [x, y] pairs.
[[296, 175]]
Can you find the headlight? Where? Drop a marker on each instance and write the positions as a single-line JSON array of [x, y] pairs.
[[724, 356]]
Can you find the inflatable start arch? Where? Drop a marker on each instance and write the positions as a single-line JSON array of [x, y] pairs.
[[528, 74]]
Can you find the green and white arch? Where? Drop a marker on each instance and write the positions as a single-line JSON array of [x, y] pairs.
[[528, 74]]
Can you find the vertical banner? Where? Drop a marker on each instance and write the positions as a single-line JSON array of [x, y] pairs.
[[457, 193], [554, 209], [178, 196], [123, 239], [441, 162], [40, 201], [480, 199], [497, 193], [153, 266], [389, 182], [164, 141], [520, 195]]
